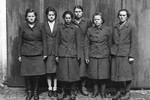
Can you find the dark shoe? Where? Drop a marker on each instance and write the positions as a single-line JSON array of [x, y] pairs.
[[50, 93], [73, 94], [55, 93], [117, 96], [36, 96], [102, 95], [84, 91], [126, 96], [95, 92], [29, 95]]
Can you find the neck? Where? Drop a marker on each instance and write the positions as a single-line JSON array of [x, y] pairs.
[[51, 21]]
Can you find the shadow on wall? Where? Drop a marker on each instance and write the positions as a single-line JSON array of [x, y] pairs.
[[144, 49]]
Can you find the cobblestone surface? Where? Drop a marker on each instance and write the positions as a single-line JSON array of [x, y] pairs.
[[19, 94]]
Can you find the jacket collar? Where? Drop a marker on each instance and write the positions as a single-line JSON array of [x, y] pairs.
[[68, 26], [82, 20], [125, 25]]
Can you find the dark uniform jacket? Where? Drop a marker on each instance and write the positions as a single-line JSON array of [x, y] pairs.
[[32, 41], [51, 38], [98, 42], [68, 41], [123, 41], [83, 26]]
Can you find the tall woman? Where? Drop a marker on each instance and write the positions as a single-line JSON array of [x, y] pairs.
[[68, 53], [97, 52], [50, 29], [123, 54], [32, 52]]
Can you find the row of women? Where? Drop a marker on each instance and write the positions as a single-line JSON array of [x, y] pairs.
[[76, 52]]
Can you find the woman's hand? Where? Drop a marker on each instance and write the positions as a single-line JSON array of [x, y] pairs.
[[87, 61], [131, 60], [44, 57], [57, 59], [19, 59]]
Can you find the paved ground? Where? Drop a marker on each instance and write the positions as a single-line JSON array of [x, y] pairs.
[[19, 94]]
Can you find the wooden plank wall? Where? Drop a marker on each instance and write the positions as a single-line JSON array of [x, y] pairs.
[[140, 15]]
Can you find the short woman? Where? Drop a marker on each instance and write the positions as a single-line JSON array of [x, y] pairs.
[[97, 53], [68, 53], [50, 29]]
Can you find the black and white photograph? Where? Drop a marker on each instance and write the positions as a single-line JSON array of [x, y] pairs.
[[75, 50]]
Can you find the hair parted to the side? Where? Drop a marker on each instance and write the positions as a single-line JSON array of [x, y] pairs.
[[78, 6], [29, 10], [128, 14], [100, 14], [67, 12], [48, 9]]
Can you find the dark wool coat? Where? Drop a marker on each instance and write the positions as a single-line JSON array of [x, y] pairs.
[[97, 50], [123, 48], [32, 48], [83, 27], [69, 51], [51, 46]]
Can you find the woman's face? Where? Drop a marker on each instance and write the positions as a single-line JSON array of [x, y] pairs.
[[31, 17], [51, 16], [78, 13], [98, 20], [67, 19], [123, 16]]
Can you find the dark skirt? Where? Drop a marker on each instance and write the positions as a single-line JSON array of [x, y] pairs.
[[68, 69], [99, 68], [83, 66], [51, 64], [121, 69], [31, 66]]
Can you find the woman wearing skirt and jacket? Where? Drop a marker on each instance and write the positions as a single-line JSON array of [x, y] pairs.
[[32, 52], [97, 54], [68, 54]]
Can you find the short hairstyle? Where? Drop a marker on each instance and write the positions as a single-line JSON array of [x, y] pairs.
[[29, 10], [100, 14], [128, 14], [67, 12], [51, 9], [78, 6]]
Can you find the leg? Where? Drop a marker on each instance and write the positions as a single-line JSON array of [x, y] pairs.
[[28, 87], [118, 86], [49, 81], [55, 86], [103, 88], [126, 93], [36, 85], [95, 89], [83, 88]]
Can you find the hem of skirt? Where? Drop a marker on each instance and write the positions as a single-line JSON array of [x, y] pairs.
[[99, 78], [68, 80], [50, 72], [32, 74], [127, 79]]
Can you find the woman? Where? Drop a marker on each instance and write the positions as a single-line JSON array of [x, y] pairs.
[[68, 53], [50, 29], [83, 24], [123, 54], [32, 52], [97, 54]]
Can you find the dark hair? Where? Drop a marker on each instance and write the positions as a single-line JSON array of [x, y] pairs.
[[67, 12], [128, 14], [100, 14], [51, 9], [30, 11], [78, 6]]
